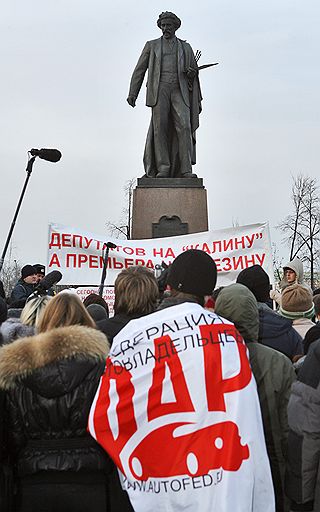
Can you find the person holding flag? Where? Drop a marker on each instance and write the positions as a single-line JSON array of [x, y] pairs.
[[177, 407]]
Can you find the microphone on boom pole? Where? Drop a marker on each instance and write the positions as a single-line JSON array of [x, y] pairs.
[[51, 155]]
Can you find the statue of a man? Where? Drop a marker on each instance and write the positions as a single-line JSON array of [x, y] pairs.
[[173, 92]]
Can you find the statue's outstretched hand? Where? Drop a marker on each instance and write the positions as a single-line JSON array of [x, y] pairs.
[[132, 101]]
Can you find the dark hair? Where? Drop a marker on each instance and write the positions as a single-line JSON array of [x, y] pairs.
[[136, 291], [94, 298]]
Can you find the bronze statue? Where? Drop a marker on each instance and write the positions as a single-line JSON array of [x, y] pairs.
[[173, 92]]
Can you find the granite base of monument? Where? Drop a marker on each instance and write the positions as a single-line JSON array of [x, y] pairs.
[[168, 207]]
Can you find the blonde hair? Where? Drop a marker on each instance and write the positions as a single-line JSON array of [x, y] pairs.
[[136, 291], [63, 310], [33, 310]]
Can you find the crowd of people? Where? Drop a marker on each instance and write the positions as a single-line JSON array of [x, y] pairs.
[[53, 356]]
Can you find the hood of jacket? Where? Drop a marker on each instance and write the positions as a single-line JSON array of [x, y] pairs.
[[297, 266], [238, 304], [53, 362]]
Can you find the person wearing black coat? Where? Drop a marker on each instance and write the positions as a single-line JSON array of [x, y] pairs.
[[24, 287], [50, 381], [3, 316], [2, 292], [303, 459]]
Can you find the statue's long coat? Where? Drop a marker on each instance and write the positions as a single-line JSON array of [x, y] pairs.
[[150, 59]]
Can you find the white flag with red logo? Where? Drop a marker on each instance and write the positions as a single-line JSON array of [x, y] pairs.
[[177, 410]]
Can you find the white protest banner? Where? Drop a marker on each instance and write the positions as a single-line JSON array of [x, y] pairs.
[[78, 254], [177, 409]]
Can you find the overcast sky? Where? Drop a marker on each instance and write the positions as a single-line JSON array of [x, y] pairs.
[[65, 72]]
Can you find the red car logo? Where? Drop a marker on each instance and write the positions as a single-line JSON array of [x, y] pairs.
[[161, 454]]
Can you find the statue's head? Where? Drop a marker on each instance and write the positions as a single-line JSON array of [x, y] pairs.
[[168, 18]]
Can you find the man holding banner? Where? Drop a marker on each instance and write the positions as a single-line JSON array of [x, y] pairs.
[[177, 407]]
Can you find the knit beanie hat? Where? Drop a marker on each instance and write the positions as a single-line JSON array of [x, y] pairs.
[[193, 272], [28, 270], [97, 312], [257, 280], [296, 302]]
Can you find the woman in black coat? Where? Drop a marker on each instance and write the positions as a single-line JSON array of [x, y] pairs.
[[50, 381]]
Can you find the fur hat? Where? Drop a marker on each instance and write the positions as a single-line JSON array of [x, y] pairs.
[[193, 272], [257, 280], [41, 269], [296, 302], [28, 270]]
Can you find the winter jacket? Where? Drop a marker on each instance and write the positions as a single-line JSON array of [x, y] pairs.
[[3, 310], [112, 326], [312, 335], [302, 326], [50, 381], [277, 332], [20, 293], [2, 292], [274, 375], [6, 479], [303, 466]]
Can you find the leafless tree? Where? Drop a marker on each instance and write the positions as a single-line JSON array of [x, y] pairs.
[[122, 229], [302, 227], [11, 272], [277, 263]]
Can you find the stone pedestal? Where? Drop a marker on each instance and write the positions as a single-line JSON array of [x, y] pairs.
[[169, 207]]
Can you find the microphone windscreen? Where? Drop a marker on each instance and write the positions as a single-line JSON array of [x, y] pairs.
[[49, 280], [52, 155]]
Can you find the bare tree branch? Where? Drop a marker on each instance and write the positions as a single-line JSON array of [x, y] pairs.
[[122, 228], [302, 227]]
